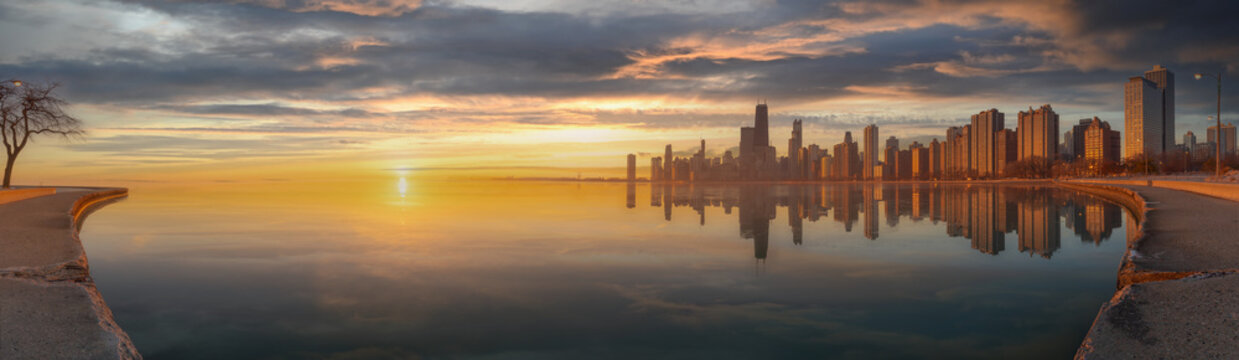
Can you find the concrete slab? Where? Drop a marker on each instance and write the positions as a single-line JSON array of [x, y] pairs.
[[49, 307], [63, 320], [1191, 318]]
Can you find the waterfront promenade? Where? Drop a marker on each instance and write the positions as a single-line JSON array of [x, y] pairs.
[[1178, 287], [49, 306]]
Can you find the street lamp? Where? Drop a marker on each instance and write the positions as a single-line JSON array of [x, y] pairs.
[[1218, 76], [17, 83]]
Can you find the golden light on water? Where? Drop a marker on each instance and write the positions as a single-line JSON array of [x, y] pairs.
[[402, 186]]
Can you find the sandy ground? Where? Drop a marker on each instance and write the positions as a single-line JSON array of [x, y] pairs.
[[49, 307]]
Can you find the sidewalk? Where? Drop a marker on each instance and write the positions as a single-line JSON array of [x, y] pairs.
[[49, 307], [1183, 301]]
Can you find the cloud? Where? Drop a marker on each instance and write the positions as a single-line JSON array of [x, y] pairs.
[[434, 69]]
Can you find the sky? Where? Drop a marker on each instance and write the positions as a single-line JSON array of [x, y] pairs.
[[272, 89]]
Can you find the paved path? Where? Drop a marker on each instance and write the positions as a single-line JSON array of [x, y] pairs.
[[1186, 303], [49, 307]]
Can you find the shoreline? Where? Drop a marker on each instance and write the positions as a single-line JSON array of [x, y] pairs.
[[1175, 284], [51, 306]]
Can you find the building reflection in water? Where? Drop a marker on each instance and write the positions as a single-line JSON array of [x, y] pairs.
[[986, 214]]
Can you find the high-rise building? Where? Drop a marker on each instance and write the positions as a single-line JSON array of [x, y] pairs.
[[984, 127], [955, 154], [903, 165], [747, 160], [1203, 151], [1189, 140], [632, 167], [1227, 142], [892, 162], [847, 159], [1164, 79], [794, 144], [1148, 111], [920, 161], [1038, 133], [871, 151], [935, 159], [1100, 143], [668, 164], [892, 142], [761, 126], [1075, 139], [656, 169], [1006, 149]]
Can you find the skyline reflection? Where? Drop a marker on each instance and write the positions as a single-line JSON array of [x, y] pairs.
[[986, 214]]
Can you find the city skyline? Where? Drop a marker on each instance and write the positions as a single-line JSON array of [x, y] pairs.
[[250, 89], [982, 148]]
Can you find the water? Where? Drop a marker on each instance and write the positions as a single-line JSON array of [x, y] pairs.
[[408, 268]]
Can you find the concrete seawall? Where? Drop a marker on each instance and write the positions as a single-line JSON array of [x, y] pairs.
[[1177, 290], [49, 305]]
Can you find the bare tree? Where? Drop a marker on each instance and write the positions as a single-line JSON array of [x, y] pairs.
[[27, 110]]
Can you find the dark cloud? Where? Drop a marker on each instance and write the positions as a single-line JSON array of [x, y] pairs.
[[308, 51]]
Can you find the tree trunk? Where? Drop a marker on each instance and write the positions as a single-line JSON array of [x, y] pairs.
[[8, 170]]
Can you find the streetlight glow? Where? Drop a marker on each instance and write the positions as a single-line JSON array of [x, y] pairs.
[[17, 83], [1199, 76]]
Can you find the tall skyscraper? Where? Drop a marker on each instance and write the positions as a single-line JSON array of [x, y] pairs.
[[1148, 111], [984, 127], [1189, 140], [632, 167], [1164, 79], [935, 159], [761, 126], [795, 168], [1228, 138], [1038, 133], [668, 165], [871, 151]]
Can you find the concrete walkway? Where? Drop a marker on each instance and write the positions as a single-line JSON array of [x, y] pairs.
[[1181, 299], [49, 307]]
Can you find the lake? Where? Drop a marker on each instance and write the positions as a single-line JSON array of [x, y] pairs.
[[404, 267]]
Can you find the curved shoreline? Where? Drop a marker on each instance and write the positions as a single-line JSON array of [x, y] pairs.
[[52, 308], [1148, 316]]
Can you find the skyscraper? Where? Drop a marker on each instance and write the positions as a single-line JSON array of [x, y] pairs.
[[1148, 111], [984, 127], [1038, 133], [632, 167], [795, 168], [1189, 140], [870, 157], [668, 165], [761, 127], [1228, 138], [1164, 79]]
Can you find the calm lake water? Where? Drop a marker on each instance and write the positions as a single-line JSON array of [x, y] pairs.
[[407, 268]]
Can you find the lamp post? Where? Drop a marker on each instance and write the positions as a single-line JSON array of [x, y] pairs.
[[1218, 166]]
